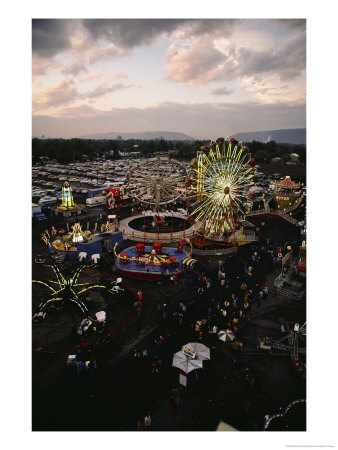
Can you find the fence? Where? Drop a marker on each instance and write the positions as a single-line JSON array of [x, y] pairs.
[[290, 294], [215, 252], [274, 212], [163, 238]]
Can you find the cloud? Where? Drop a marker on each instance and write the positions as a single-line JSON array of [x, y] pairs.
[[83, 111], [104, 89], [41, 67], [222, 91], [63, 92], [200, 120], [195, 65], [96, 77], [51, 36], [288, 61], [130, 33], [103, 54], [292, 24], [121, 76], [75, 68], [202, 63]]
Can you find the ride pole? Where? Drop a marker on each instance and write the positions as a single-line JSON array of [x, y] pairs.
[[144, 228], [172, 225]]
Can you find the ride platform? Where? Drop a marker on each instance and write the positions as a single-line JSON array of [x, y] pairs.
[[150, 266]]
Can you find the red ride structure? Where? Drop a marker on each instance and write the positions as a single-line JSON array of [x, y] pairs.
[[114, 198]]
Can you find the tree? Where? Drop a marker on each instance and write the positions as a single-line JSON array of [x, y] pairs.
[[286, 157], [260, 156], [186, 149]]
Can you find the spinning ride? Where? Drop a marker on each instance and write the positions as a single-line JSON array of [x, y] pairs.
[[222, 180], [68, 207], [152, 263], [64, 290], [157, 181]]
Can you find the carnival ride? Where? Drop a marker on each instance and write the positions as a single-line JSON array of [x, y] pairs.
[[284, 416], [152, 263], [168, 227], [64, 290], [114, 198], [74, 243], [288, 343], [223, 177], [156, 181], [291, 281], [68, 207], [221, 183]]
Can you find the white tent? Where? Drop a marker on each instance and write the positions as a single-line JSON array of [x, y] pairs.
[[222, 426], [181, 361], [202, 351], [199, 353]]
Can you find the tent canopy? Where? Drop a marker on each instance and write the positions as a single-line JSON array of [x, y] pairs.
[[222, 426], [186, 363]]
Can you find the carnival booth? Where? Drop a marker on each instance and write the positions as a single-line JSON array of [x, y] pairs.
[[190, 362]]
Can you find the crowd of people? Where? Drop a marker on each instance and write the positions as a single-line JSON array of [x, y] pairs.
[[216, 297]]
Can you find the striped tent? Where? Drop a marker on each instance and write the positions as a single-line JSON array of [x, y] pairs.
[[188, 263]]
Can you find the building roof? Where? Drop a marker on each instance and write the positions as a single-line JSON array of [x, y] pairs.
[[287, 183]]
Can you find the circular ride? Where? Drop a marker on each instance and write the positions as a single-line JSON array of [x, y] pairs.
[[221, 182], [159, 223], [148, 262], [168, 227], [157, 181]]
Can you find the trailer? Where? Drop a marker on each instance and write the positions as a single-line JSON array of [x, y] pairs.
[[95, 201]]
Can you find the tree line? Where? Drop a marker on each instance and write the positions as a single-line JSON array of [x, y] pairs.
[[71, 150]]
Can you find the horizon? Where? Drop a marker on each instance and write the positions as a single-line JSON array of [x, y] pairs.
[[201, 77], [158, 131]]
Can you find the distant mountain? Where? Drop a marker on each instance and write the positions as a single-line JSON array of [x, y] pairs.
[[293, 136], [144, 135]]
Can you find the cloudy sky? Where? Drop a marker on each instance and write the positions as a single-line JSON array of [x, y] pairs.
[[205, 78]]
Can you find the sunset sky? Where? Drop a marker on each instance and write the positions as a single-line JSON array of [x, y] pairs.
[[206, 78]]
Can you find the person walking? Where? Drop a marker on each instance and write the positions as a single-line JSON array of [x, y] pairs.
[[147, 422], [139, 425], [172, 404]]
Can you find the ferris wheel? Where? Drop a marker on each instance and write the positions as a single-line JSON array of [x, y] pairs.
[[222, 179], [157, 181]]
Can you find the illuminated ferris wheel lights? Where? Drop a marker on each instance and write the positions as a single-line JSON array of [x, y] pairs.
[[222, 180]]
